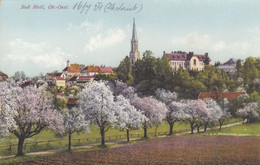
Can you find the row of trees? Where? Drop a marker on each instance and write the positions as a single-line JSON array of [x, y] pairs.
[[25, 112]]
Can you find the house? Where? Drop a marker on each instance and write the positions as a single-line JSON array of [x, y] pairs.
[[59, 81], [218, 96], [106, 70], [3, 76], [90, 70], [85, 79], [188, 61], [49, 77], [229, 66], [72, 70]]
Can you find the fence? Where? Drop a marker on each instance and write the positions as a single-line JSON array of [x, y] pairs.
[[95, 139]]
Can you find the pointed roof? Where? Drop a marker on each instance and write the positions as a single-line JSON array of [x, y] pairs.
[[231, 61], [134, 35]]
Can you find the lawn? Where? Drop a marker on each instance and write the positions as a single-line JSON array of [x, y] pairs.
[[252, 129], [171, 150], [46, 135]]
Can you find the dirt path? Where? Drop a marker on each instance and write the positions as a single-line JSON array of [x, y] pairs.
[[201, 130], [117, 141]]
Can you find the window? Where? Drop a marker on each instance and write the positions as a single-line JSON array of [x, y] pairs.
[[194, 62]]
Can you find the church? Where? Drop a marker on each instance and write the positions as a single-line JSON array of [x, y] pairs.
[[134, 54]]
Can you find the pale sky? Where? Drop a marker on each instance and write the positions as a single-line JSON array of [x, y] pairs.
[[37, 40]]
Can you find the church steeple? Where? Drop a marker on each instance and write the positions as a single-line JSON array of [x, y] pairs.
[[134, 36], [134, 53]]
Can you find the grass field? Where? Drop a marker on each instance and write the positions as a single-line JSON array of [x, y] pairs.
[[252, 129], [171, 150], [46, 135]]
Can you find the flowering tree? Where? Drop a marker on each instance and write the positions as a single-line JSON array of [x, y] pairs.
[[165, 96], [97, 103], [29, 111], [195, 113], [174, 110], [215, 112], [250, 112], [152, 109], [121, 88], [130, 117], [225, 113], [74, 122], [7, 104], [175, 113]]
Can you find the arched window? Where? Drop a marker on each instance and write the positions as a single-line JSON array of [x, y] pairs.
[[194, 62]]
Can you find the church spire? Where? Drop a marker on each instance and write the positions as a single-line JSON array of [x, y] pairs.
[[134, 35], [134, 53]]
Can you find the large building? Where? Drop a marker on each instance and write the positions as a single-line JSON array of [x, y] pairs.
[[229, 66], [134, 54], [188, 61]]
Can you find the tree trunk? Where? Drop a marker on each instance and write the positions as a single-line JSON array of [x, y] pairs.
[[102, 132], [145, 130], [198, 129], [205, 127], [20, 146], [220, 124], [191, 127], [155, 132], [69, 142], [171, 129], [127, 135]]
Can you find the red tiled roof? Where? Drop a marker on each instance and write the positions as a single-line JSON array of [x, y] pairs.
[[3, 75], [93, 68], [219, 95], [183, 56], [106, 69], [73, 68], [176, 56], [72, 101], [200, 57]]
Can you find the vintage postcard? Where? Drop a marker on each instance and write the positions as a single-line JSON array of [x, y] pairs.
[[129, 82]]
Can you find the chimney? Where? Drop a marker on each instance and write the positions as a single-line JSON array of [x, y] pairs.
[[191, 53], [206, 54], [172, 52]]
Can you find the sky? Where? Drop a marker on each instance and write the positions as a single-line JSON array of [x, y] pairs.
[[42, 40]]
